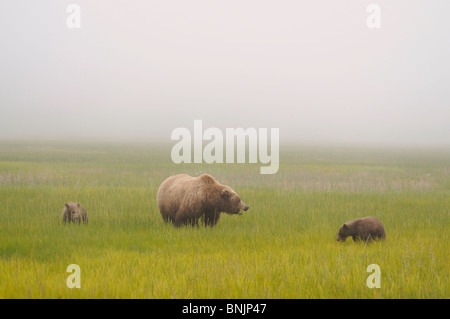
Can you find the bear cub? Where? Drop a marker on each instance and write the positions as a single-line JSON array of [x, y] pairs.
[[74, 212], [365, 229]]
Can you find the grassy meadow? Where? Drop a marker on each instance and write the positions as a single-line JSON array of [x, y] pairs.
[[283, 247]]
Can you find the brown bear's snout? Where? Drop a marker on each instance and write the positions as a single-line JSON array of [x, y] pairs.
[[243, 207]]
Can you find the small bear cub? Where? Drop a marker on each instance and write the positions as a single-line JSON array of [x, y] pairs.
[[366, 229], [74, 212]]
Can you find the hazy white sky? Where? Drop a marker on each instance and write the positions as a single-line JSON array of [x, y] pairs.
[[313, 69]]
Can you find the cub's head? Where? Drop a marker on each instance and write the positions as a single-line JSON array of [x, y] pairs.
[[73, 211], [343, 233], [231, 202]]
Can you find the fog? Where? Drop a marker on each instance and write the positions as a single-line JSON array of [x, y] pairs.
[[140, 69]]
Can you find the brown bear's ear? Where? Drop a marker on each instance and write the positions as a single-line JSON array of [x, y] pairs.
[[344, 226], [67, 205], [225, 192], [78, 204]]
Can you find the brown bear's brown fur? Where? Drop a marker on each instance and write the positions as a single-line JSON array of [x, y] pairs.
[[74, 212], [366, 229], [183, 199]]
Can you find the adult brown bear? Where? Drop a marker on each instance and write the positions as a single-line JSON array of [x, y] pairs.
[[183, 200]]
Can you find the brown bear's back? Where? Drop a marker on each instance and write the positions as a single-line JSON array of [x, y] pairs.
[[366, 228]]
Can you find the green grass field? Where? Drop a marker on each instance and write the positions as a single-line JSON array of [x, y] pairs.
[[283, 247]]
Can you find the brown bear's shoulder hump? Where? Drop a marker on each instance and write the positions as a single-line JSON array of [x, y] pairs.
[[207, 179]]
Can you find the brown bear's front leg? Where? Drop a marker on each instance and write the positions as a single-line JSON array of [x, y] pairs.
[[192, 222], [179, 221], [211, 218], [183, 218]]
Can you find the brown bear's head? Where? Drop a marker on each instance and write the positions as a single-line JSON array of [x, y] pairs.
[[343, 233], [73, 211], [231, 202]]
